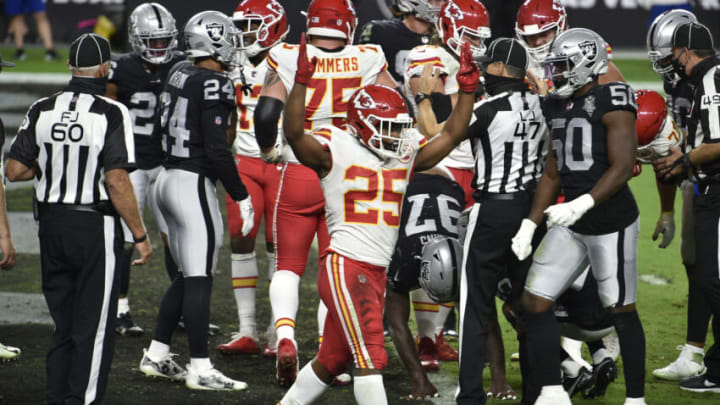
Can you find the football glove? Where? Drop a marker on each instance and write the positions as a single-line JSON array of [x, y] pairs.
[[468, 76], [247, 213], [522, 241], [274, 155], [665, 226], [305, 67], [566, 214]]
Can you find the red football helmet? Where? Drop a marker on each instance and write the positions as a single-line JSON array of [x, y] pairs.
[[535, 17], [651, 114], [272, 24], [332, 18], [378, 115], [463, 19]]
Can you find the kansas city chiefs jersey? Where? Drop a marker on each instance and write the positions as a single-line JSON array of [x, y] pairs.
[[139, 89], [670, 135], [363, 196], [420, 56]]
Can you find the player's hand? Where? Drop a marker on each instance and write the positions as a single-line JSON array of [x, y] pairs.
[[468, 76], [522, 241], [305, 67], [566, 214], [669, 166], [665, 226], [422, 390], [272, 155], [429, 79], [8, 253], [144, 249], [537, 84], [247, 213]]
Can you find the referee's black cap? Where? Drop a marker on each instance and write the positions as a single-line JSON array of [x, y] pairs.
[[508, 51], [89, 50], [692, 36]]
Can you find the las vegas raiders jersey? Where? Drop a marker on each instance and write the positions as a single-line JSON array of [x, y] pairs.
[[396, 41], [579, 140], [139, 88], [363, 195], [196, 106], [679, 97]]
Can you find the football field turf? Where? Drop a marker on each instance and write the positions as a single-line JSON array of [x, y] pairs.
[[661, 307]]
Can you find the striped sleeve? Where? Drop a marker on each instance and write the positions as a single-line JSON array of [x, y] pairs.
[[119, 148], [710, 105], [24, 147]]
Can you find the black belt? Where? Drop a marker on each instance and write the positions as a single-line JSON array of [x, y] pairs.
[[102, 208], [486, 195]]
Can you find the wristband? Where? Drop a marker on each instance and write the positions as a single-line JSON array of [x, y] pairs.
[[140, 239], [422, 96]]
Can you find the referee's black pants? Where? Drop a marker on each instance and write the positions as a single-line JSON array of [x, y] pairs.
[[79, 252], [487, 258], [707, 245]]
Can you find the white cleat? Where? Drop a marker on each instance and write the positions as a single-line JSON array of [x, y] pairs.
[[689, 364], [8, 353], [612, 344], [553, 395], [165, 368], [212, 380]]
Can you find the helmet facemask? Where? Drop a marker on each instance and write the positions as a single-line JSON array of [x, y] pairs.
[[156, 47], [390, 137], [466, 34]]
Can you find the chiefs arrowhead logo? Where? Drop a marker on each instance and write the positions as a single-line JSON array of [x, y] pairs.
[[453, 11], [216, 31], [363, 101], [275, 7], [588, 49]]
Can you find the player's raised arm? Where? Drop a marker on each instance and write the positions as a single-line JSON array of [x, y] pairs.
[[456, 126], [307, 149]]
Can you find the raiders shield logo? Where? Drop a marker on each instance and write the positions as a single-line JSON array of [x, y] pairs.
[[216, 31], [363, 101], [588, 49]]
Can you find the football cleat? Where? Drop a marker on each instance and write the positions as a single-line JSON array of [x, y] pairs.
[[444, 350], [240, 344], [125, 326], [9, 353], [212, 380], [604, 373], [342, 379], [700, 384], [286, 362], [689, 364], [580, 383], [428, 354], [165, 368], [212, 328]]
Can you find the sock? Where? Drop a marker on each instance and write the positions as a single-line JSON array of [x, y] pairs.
[[170, 267], [200, 364], [284, 298], [530, 391], [170, 311], [306, 389], [196, 314], [321, 316], [244, 280], [595, 345], [451, 320], [632, 348], [600, 355], [694, 349], [123, 306], [698, 312], [570, 367], [635, 401], [157, 350], [552, 390], [369, 390], [425, 313], [441, 316], [543, 348]]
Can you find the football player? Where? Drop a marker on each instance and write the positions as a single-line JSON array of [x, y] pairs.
[[300, 208], [398, 36], [136, 80], [679, 92], [364, 171], [262, 24], [196, 105], [598, 225]]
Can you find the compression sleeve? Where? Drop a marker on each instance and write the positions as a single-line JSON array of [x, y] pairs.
[[267, 116]]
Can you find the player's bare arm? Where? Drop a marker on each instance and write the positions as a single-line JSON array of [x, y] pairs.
[[547, 189], [6, 243], [18, 171], [613, 75], [428, 83], [123, 199], [622, 151]]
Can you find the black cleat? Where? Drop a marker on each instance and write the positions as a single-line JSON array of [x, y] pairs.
[[125, 326], [700, 384], [51, 55], [582, 382], [603, 374]]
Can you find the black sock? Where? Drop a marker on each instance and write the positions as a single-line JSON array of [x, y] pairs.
[[632, 348], [563, 354], [196, 314], [170, 311], [698, 311], [530, 391], [124, 271], [595, 346], [170, 266], [451, 320], [543, 348]]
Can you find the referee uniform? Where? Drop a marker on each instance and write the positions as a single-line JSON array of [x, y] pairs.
[[508, 135], [70, 141]]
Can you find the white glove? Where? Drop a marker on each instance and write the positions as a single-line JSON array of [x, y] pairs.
[[274, 155], [522, 241], [665, 226], [247, 213], [566, 214]]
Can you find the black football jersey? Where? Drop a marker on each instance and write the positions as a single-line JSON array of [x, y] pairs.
[[139, 89], [579, 141], [196, 106], [396, 41], [679, 101]]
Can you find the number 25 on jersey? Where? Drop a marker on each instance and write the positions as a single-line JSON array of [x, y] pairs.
[[363, 205]]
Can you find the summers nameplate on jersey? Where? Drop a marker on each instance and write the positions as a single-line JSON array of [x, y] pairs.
[[580, 146]]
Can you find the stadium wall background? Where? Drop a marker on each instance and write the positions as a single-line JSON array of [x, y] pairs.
[[623, 23]]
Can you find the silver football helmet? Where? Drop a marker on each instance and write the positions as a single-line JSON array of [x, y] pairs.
[[152, 32], [576, 57], [659, 41], [211, 34], [422, 9], [440, 269]]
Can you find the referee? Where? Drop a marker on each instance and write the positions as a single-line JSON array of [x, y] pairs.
[[693, 55], [508, 135], [79, 145]]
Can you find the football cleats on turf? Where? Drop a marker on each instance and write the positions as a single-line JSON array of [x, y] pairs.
[[262, 24], [332, 19], [659, 41], [538, 16], [211, 34], [464, 21], [577, 56], [425, 10], [379, 117], [439, 269], [152, 33], [655, 128]]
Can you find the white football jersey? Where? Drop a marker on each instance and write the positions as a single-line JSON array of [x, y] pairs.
[[461, 157], [363, 196], [668, 136]]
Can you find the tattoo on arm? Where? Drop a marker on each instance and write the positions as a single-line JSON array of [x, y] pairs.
[[271, 78]]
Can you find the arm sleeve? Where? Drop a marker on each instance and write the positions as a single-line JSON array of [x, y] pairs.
[[710, 106], [119, 149], [24, 147], [214, 122], [266, 118]]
